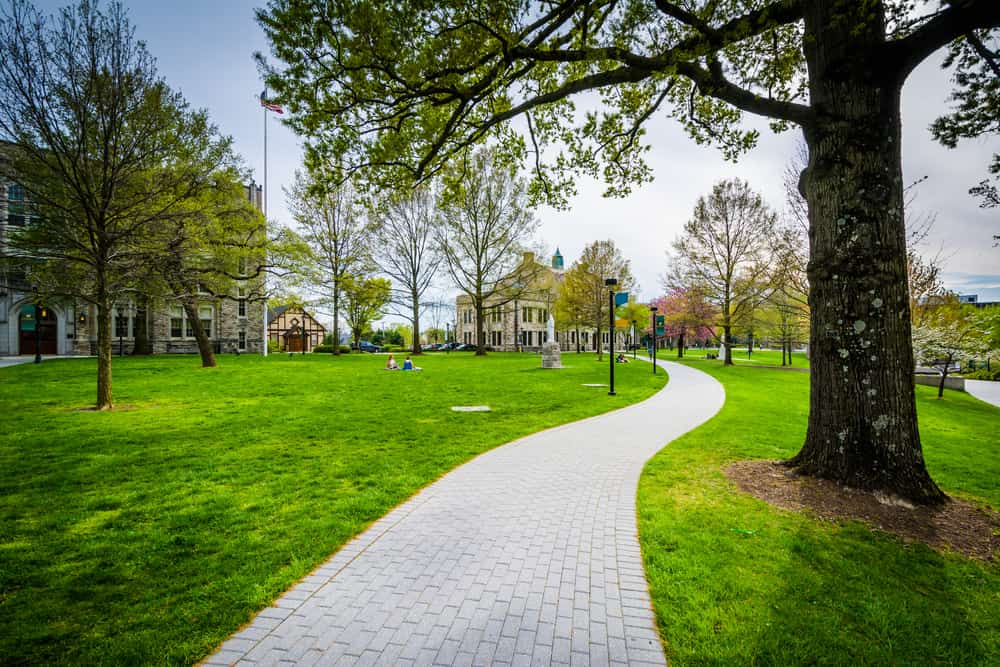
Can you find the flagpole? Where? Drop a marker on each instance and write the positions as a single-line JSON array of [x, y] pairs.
[[264, 110]]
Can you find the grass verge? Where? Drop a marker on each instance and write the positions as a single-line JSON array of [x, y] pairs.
[[148, 535], [735, 581]]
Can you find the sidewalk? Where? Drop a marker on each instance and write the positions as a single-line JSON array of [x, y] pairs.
[[527, 554], [984, 390]]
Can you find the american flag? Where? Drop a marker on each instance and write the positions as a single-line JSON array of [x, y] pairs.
[[270, 106]]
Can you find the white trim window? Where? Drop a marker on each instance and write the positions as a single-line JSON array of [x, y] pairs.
[[241, 302], [179, 323], [243, 340]]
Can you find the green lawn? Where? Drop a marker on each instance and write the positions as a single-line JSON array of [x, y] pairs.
[[148, 535], [735, 581], [758, 358]]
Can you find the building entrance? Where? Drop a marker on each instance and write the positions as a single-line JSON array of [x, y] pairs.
[[46, 333]]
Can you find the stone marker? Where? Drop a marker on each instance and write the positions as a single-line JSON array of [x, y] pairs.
[[470, 408], [586, 384], [551, 355]]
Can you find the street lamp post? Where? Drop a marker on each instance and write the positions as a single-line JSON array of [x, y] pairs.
[[635, 337], [517, 339], [38, 334], [611, 283], [652, 310]]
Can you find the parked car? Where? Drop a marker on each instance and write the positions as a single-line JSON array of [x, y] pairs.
[[365, 346], [465, 347], [431, 347], [447, 347]]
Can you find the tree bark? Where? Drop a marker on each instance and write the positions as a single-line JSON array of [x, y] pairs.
[[680, 345], [862, 420], [728, 356], [204, 343], [416, 325], [336, 318], [104, 398], [480, 332]]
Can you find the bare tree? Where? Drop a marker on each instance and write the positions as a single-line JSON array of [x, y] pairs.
[[723, 253], [104, 150], [407, 252], [485, 224], [336, 232]]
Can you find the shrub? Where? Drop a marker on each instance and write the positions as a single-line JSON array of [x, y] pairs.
[[344, 349], [983, 374]]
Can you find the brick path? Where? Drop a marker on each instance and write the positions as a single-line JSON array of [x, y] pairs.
[[526, 555]]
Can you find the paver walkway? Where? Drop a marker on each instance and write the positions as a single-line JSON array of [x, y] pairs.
[[984, 390], [527, 554]]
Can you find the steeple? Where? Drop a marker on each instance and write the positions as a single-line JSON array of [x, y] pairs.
[[557, 260]]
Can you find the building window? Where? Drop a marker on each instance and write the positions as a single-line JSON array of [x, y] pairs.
[[176, 322], [241, 302], [205, 314], [543, 315], [526, 314], [543, 337], [121, 326], [241, 266], [180, 326], [531, 338], [16, 207], [243, 340]]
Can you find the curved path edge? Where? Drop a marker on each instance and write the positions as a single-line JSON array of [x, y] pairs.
[[985, 390], [527, 554]]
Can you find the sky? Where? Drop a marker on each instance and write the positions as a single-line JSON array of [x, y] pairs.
[[205, 49]]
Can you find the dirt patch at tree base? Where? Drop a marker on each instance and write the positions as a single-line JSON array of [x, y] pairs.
[[957, 525]]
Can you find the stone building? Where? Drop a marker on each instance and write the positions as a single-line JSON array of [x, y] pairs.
[[67, 327], [521, 323]]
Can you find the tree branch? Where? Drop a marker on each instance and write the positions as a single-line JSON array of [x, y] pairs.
[[963, 16]]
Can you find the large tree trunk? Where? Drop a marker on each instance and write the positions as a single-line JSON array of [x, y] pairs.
[[680, 345], [862, 419], [336, 319], [204, 343], [416, 325], [104, 399], [480, 332], [726, 344]]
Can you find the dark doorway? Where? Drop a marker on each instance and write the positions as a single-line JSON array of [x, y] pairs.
[[46, 332]]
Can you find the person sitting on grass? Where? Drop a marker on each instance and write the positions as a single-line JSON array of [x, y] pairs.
[[390, 364], [408, 365], [622, 359]]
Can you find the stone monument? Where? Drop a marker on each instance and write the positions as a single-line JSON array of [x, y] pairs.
[[551, 355]]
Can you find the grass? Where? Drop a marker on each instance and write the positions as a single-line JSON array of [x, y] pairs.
[[758, 358], [735, 581], [148, 535]]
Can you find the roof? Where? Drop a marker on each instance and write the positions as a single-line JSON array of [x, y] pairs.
[[275, 313]]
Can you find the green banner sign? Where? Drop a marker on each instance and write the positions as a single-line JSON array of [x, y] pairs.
[[28, 317]]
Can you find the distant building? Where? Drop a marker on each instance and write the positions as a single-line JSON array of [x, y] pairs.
[[522, 323], [973, 299], [292, 328], [68, 327]]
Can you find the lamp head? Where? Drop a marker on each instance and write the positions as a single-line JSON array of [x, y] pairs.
[[610, 282], [653, 309]]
